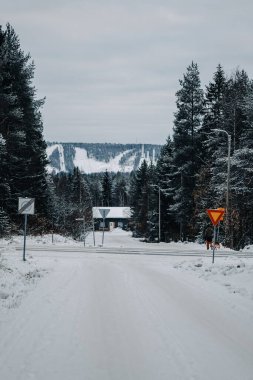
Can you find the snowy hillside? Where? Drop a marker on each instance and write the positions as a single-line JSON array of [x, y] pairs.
[[96, 158]]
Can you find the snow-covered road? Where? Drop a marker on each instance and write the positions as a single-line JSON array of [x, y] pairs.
[[102, 316]]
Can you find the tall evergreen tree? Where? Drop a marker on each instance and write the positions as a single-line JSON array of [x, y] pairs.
[[212, 147], [119, 191], [139, 201], [186, 160], [107, 190], [236, 106], [21, 125], [164, 169]]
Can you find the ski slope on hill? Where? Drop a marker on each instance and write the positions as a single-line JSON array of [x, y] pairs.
[[107, 316]]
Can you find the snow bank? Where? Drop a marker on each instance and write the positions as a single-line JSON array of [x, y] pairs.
[[233, 273], [17, 276]]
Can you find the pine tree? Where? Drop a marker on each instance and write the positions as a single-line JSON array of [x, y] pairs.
[[21, 125], [73, 203], [80, 205], [95, 184], [237, 124], [241, 187], [119, 191], [4, 185], [153, 204], [186, 159], [163, 173], [62, 206], [205, 195], [242, 190], [236, 107], [107, 190], [139, 201]]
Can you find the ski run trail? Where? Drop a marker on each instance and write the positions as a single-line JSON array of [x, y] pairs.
[[164, 312]]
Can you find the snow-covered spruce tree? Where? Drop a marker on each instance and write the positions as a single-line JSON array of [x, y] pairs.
[[205, 195], [4, 177], [95, 186], [9, 117], [163, 175], [72, 201], [139, 199], [62, 185], [107, 190], [187, 150], [241, 187], [153, 204], [80, 205], [236, 107], [5, 225], [21, 125], [119, 191], [237, 124]]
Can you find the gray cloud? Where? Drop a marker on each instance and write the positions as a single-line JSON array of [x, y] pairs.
[[110, 69]]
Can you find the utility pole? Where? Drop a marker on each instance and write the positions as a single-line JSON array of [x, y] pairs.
[[159, 220], [159, 211]]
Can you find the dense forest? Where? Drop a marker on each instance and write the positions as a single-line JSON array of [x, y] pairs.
[[206, 163]]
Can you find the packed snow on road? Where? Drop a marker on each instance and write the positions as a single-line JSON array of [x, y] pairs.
[[125, 311]]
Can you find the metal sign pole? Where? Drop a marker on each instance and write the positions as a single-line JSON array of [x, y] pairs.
[[104, 212], [215, 215], [25, 206], [159, 222], [53, 231], [214, 239], [103, 230], [94, 233], [24, 237], [84, 228]]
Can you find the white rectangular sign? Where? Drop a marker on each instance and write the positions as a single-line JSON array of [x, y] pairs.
[[26, 205]]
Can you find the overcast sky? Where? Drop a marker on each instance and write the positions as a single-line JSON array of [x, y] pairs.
[[110, 69]]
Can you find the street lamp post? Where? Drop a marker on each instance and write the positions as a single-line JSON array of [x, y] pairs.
[[228, 177], [159, 211], [159, 219]]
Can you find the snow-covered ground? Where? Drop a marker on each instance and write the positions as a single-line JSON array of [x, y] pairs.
[[165, 312]]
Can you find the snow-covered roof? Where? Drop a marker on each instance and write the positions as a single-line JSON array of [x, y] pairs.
[[114, 212]]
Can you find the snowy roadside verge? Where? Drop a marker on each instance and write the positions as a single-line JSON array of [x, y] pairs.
[[17, 277], [233, 273]]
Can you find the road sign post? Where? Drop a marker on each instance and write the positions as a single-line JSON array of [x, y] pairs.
[[93, 227], [104, 212], [214, 237], [215, 215], [25, 226], [25, 207]]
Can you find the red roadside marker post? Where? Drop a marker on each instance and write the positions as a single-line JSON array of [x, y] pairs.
[[215, 215]]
